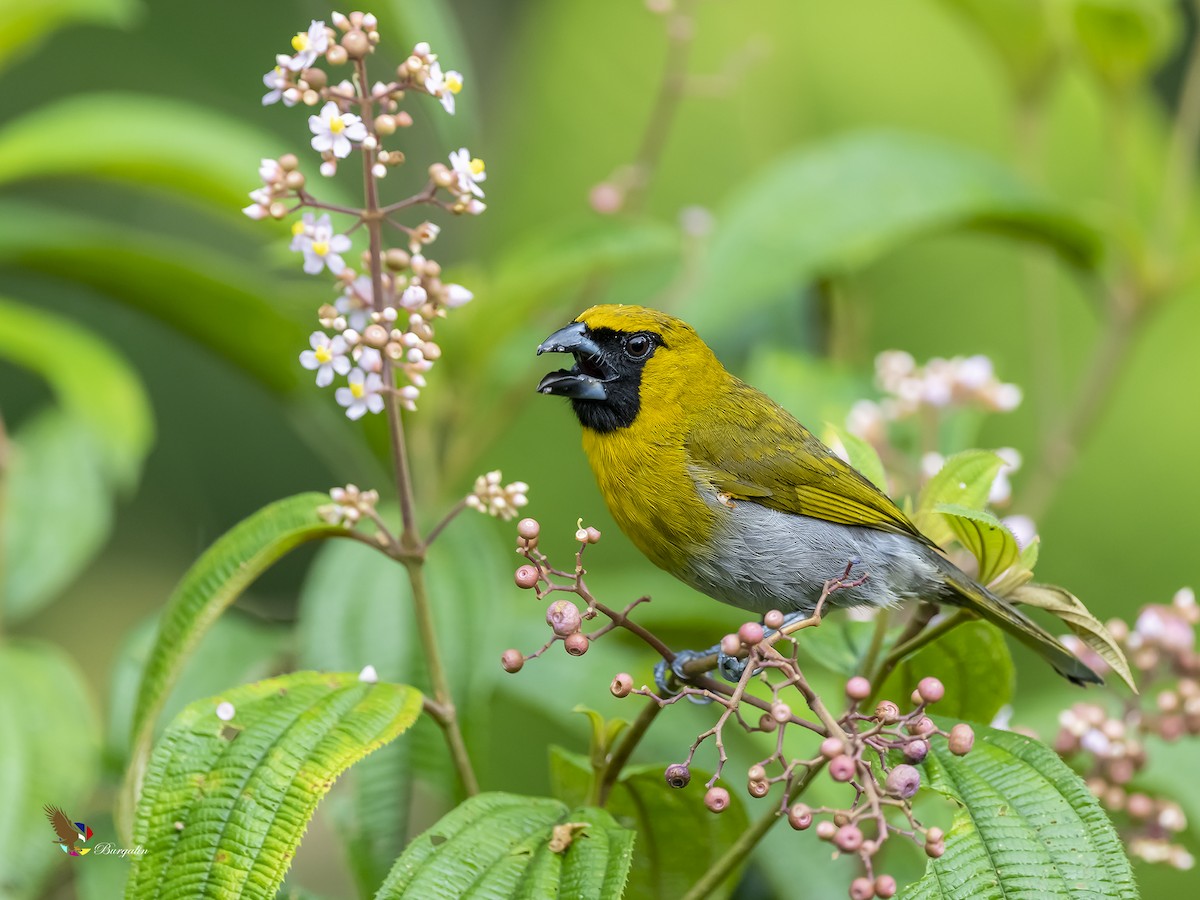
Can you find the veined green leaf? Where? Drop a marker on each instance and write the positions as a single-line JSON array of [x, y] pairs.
[[225, 801], [213, 582], [500, 845], [974, 664], [965, 479], [1028, 827], [842, 204], [98, 388], [140, 139], [665, 819], [50, 756], [990, 542], [863, 457], [1075, 615], [57, 511], [27, 24]]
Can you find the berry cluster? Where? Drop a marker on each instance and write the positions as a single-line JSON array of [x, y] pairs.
[[1109, 748]]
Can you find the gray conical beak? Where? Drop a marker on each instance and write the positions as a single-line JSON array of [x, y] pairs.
[[572, 383]]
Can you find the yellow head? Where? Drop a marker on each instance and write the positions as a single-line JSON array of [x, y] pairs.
[[630, 360]]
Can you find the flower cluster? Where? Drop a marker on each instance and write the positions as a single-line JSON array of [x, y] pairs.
[[875, 752], [1110, 747], [494, 499], [380, 327], [349, 506]]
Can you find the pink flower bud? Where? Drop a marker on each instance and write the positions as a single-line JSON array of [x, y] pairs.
[[885, 887], [832, 747], [931, 689], [842, 768], [773, 619], [848, 839], [750, 633], [526, 576], [862, 888], [529, 529], [858, 688], [962, 739]]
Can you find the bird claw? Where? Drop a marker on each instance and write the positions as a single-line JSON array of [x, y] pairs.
[[664, 675]]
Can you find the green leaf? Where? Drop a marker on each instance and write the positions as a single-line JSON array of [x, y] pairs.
[[863, 456], [1070, 609], [224, 803], [26, 25], [1028, 827], [98, 388], [965, 480], [839, 206], [213, 582], [57, 511], [139, 139], [1022, 34], [666, 819], [838, 645], [209, 289], [1123, 41], [498, 845], [974, 664], [50, 755], [988, 539]]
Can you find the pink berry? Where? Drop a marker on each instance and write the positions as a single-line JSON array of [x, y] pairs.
[[781, 712], [526, 577], [903, 781], [756, 773], [931, 689], [529, 529], [826, 830], [621, 685], [921, 727], [934, 849], [858, 688], [862, 889], [512, 660], [731, 644], [800, 816], [576, 644], [916, 751], [773, 619], [842, 768], [962, 739], [678, 775], [934, 835], [563, 617], [593, 535], [848, 838], [717, 799], [750, 633], [885, 887], [758, 788], [887, 712], [832, 747]]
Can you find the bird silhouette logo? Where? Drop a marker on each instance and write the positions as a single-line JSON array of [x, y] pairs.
[[69, 833]]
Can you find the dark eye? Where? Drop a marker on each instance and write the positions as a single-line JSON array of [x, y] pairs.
[[638, 346]]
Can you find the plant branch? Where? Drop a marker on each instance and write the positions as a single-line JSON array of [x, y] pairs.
[[924, 635], [617, 759], [739, 851], [446, 520]]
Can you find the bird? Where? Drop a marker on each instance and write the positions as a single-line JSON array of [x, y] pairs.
[[69, 833], [721, 487]]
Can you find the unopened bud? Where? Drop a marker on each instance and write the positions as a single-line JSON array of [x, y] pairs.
[[858, 688], [773, 619], [751, 633], [842, 768]]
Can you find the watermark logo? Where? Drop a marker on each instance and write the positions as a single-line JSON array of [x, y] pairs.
[[70, 834]]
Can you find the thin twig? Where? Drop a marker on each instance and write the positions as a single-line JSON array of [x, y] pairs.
[[446, 520], [617, 759]]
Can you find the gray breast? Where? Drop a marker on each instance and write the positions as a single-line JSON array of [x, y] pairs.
[[768, 559]]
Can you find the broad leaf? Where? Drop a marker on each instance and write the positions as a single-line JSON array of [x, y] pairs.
[[1123, 41], [965, 479], [213, 582], [863, 457], [57, 511], [50, 756], [840, 205], [26, 25], [1075, 615], [99, 387], [499, 845], [990, 542], [665, 819], [1028, 827], [974, 664], [225, 801]]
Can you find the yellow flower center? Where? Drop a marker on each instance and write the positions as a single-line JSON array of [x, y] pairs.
[[298, 228], [336, 125], [454, 84], [320, 247], [357, 390], [477, 166], [300, 41], [323, 355]]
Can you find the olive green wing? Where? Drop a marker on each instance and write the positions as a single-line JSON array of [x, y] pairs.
[[752, 449]]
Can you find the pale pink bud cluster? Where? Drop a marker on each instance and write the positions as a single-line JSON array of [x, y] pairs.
[[350, 505]]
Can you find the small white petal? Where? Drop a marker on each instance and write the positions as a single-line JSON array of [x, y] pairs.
[[369, 675], [225, 711]]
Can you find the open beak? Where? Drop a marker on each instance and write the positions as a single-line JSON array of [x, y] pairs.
[[584, 380]]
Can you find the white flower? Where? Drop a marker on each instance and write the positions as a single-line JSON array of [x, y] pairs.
[[444, 87], [490, 498], [302, 232], [457, 295], [368, 675], [328, 355], [363, 394], [277, 81], [323, 249], [334, 130], [414, 297], [308, 46], [370, 360], [225, 711], [355, 302], [470, 171], [270, 171]]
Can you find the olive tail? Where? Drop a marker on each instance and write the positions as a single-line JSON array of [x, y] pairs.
[[973, 596]]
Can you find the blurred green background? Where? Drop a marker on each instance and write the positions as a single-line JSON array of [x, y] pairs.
[[943, 176]]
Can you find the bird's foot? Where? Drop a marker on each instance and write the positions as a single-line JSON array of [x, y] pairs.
[[671, 679]]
